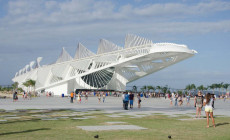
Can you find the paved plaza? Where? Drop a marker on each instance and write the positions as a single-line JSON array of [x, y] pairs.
[[113, 105]]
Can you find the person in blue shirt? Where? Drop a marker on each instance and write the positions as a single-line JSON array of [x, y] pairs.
[[126, 101]]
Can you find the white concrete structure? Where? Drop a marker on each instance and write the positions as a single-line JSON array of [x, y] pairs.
[[111, 68]]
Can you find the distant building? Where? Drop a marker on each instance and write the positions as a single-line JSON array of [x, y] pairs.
[[111, 68]]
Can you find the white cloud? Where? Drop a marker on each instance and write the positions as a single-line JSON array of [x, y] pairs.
[[38, 21], [51, 4], [87, 11]]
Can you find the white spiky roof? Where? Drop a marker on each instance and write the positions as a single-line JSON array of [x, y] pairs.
[[39, 59], [82, 52], [133, 40], [107, 46], [64, 56]]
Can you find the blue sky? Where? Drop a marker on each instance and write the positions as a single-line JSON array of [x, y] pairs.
[[30, 29]]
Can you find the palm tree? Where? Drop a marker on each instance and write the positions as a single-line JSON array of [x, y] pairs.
[[153, 88], [149, 88], [20, 89], [193, 86], [213, 86], [180, 92], [188, 88], [0, 88], [32, 84], [219, 86], [201, 88], [159, 90], [225, 86], [165, 89], [26, 84], [144, 88], [15, 85], [205, 89]]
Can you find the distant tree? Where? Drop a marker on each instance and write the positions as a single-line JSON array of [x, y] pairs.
[[169, 91], [144, 88], [225, 86], [149, 88], [188, 88], [15, 85], [159, 89], [180, 92], [164, 89], [26, 84], [205, 89], [20, 89], [32, 84], [0, 88], [193, 86], [221, 86], [212, 87], [9, 88], [201, 88], [186, 92], [154, 89]]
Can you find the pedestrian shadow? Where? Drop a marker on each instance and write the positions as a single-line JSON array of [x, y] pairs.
[[219, 124], [25, 131]]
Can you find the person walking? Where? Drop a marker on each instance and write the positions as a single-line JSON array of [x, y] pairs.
[[79, 98], [123, 99], [138, 100], [131, 98], [209, 109], [29, 95], [71, 97], [103, 96], [24, 94], [180, 100], [176, 97], [15, 96], [126, 101], [225, 96], [198, 104], [86, 97], [99, 97], [188, 99]]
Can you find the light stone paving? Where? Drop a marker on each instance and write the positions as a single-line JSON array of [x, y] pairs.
[[62, 117], [9, 116], [90, 116], [115, 122], [12, 118], [49, 119], [113, 116], [112, 105], [39, 116], [80, 118], [3, 120], [111, 127]]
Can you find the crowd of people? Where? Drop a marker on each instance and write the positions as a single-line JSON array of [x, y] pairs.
[[128, 98]]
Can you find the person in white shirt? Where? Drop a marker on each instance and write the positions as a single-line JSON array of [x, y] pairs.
[[209, 109]]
